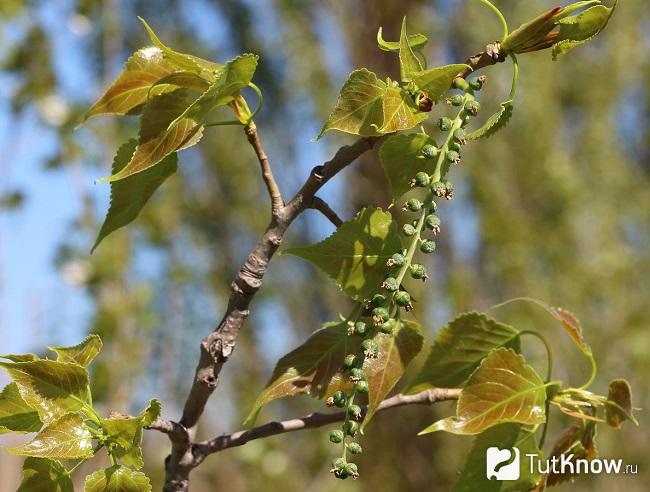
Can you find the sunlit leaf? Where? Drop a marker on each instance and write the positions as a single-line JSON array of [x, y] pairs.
[[355, 254], [359, 106], [416, 42], [15, 414], [619, 406], [156, 141], [460, 347], [67, 437], [117, 479], [44, 475], [187, 80], [83, 353], [437, 81], [530, 32], [396, 351], [502, 389], [52, 388], [494, 123], [506, 437], [581, 28], [408, 62], [19, 357], [130, 195], [400, 111]]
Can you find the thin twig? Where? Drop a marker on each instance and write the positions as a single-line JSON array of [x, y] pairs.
[[277, 203], [322, 206]]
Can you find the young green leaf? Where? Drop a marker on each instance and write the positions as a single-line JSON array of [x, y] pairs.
[[67, 437], [20, 357], [408, 62], [15, 414], [130, 195], [396, 351], [44, 475], [494, 123], [618, 408], [355, 255], [401, 157], [156, 140], [358, 109], [505, 436], [502, 389], [314, 368], [83, 353], [437, 80], [460, 347], [582, 28], [415, 41], [117, 479], [399, 110], [52, 388]]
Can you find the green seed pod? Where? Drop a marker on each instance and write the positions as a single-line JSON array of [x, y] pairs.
[[354, 411], [438, 188], [354, 448], [378, 300], [444, 124], [357, 374], [339, 399], [402, 298], [350, 360], [380, 313], [337, 436], [477, 83], [413, 205], [454, 146], [460, 135], [432, 222], [418, 271], [352, 470], [339, 462], [430, 151], [428, 246], [362, 387], [387, 327], [341, 473], [408, 230], [390, 284], [453, 156], [350, 428], [472, 107], [456, 99], [421, 179], [396, 260], [370, 348], [360, 328]]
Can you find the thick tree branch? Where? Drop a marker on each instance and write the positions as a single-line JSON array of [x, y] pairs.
[[322, 206], [277, 203]]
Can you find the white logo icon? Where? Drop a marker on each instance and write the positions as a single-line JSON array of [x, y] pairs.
[[502, 464]]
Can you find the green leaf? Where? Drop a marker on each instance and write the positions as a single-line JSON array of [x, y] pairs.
[[15, 414], [618, 408], [579, 29], [314, 368], [156, 141], [408, 62], [83, 353], [401, 157], [130, 195], [126, 432], [230, 79], [359, 108], [494, 123], [52, 388], [117, 479], [67, 437], [20, 357], [437, 81], [502, 389], [182, 61], [355, 255], [187, 80], [530, 32], [132, 87], [460, 347], [399, 110], [505, 436], [415, 41], [44, 475], [396, 351]]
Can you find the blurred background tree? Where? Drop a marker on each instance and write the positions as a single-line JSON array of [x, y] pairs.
[[557, 207]]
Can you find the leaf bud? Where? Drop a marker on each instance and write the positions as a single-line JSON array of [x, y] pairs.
[[408, 230], [472, 107], [337, 436], [362, 387], [354, 447], [430, 151], [350, 428], [444, 123], [402, 298], [412, 205], [395, 260], [370, 349], [418, 271], [390, 284], [427, 246]]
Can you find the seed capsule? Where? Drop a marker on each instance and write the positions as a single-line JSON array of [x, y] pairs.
[[456, 99], [432, 222], [430, 151], [362, 387], [339, 462], [408, 230], [378, 300], [354, 448], [428, 246], [357, 374], [439, 188], [390, 284], [387, 327], [412, 205], [351, 428], [453, 157], [351, 470], [444, 124], [402, 298], [418, 271], [379, 316], [477, 83], [460, 136], [472, 107], [354, 411], [395, 260], [336, 436], [420, 180], [339, 399], [370, 349], [350, 360], [360, 328]]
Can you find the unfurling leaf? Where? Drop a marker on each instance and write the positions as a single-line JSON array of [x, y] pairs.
[[502, 389], [509, 438], [117, 479], [494, 123], [437, 80], [83, 353], [130, 195], [401, 157], [396, 351], [52, 388], [460, 347], [618, 407], [400, 111], [67, 437], [582, 28], [355, 254], [15, 414], [408, 62], [156, 140], [415, 41], [44, 475]]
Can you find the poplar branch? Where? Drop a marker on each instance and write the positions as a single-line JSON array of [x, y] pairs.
[[322, 206]]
